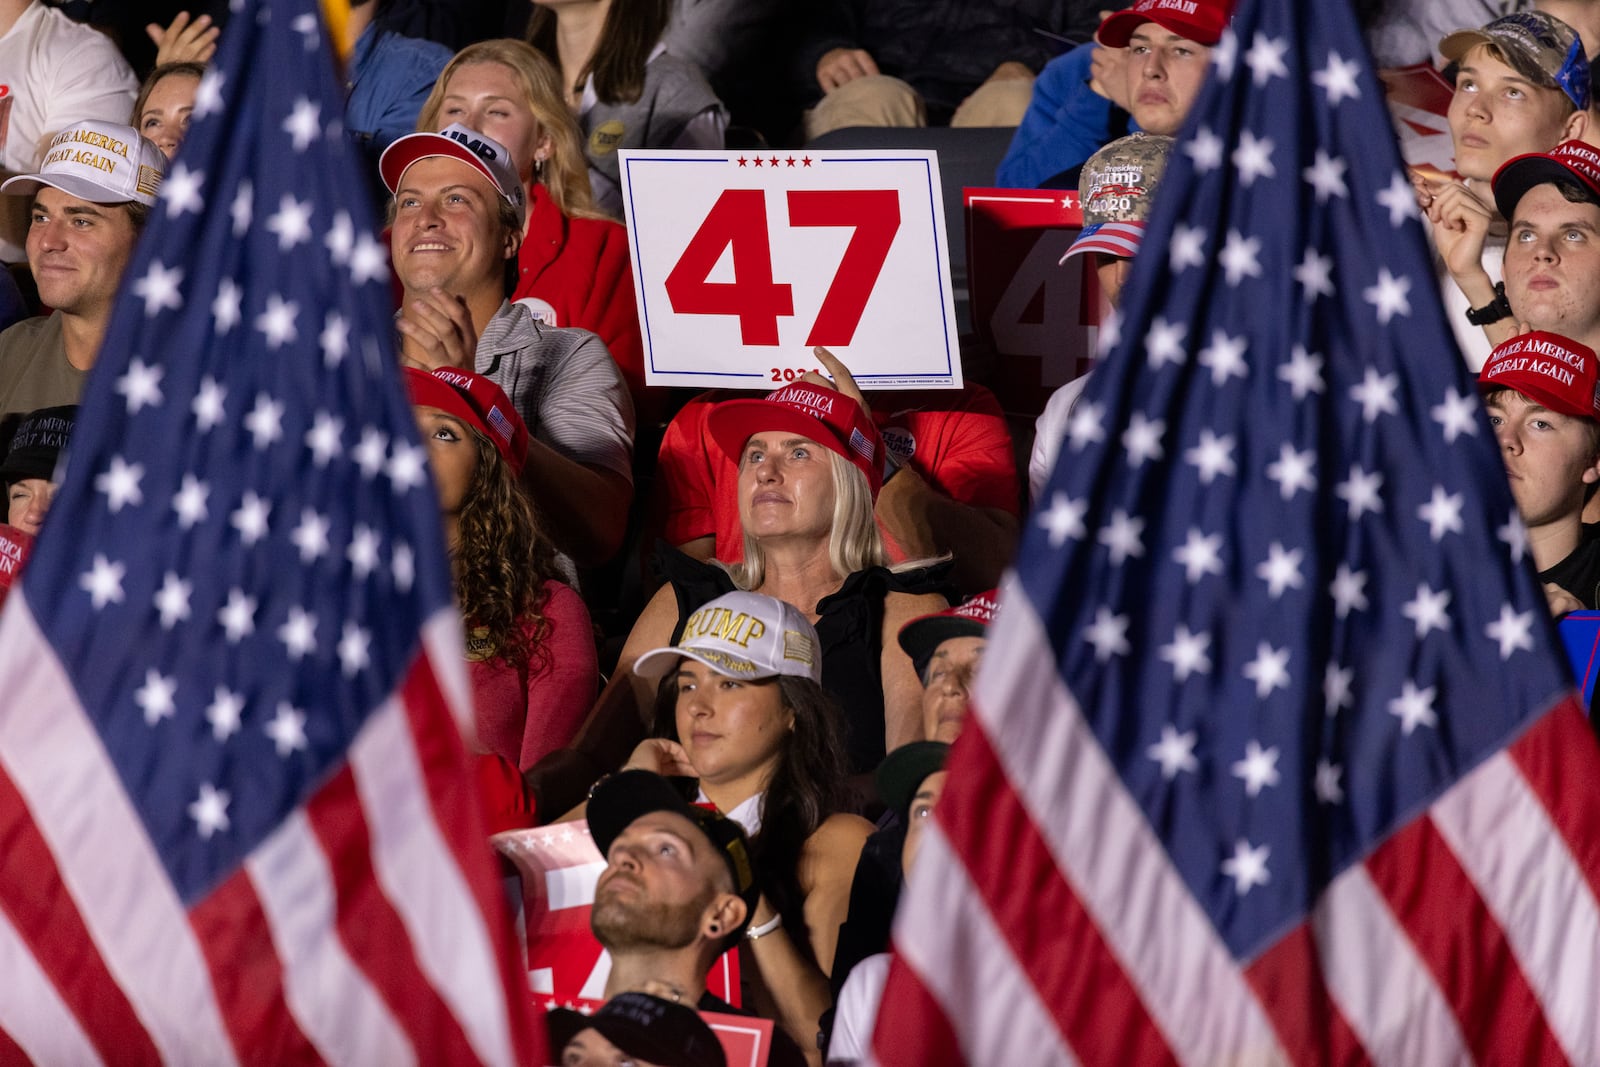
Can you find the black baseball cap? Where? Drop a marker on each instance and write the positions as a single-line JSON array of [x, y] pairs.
[[904, 769], [646, 1027], [627, 796], [37, 443]]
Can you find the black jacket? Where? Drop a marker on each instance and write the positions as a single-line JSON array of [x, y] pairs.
[[943, 48]]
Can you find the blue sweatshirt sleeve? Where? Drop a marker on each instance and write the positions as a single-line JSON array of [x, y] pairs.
[[1065, 124]]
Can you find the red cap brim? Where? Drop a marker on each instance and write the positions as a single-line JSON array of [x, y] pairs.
[[1115, 31], [732, 422], [427, 391]]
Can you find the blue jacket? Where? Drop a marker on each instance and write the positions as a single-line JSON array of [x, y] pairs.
[[390, 77], [1066, 123]]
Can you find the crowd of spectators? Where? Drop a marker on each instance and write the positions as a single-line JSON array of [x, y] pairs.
[[732, 631]]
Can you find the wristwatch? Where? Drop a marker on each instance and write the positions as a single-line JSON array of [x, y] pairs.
[[1495, 310]]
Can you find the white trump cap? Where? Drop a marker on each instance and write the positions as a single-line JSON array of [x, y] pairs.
[[742, 635], [101, 162]]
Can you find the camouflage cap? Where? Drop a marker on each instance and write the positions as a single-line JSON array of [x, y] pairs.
[[1117, 188], [1538, 46]]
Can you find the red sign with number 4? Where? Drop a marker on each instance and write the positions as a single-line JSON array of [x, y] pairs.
[[742, 264]]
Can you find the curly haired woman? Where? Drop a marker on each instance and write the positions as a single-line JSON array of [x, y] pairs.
[[530, 645]]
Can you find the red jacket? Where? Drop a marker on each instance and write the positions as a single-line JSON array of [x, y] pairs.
[[581, 268]]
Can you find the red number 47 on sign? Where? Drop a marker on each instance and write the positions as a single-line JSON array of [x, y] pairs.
[[738, 220]]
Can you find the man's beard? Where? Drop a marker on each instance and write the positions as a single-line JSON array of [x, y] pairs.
[[625, 923]]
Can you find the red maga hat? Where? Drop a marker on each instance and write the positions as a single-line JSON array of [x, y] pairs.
[[1201, 21], [1572, 160], [478, 402], [1555, 371], [815, 412]]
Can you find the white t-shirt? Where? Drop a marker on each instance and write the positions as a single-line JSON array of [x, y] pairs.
[[57, 72], [857, 1010], [1049, 430]]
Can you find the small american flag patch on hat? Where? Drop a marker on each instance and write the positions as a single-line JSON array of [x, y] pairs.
[[860, 444], [501, 424]]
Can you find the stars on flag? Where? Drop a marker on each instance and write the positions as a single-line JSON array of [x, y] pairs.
[[1348, 590], [103, 581], [310, 536], [1265, 59], [287, 729], [325, 439], [1258, 769], [1293, 471], [1281, 569], [238, 616], [304, 123], [226, 306], [1142, 439], [1187, 248], [156, 697], [1224, 357], [1188, 653], [225, 713], [1211, 457], [1174, 753], [1247, 866], [1205, 148], [1428, 610], [1390, 296], [250, 518], [158, 288], [1376, 395], [1240, 257], [209, 810], [189, 502], [299, 633], [1164, 342], [1200, 555], [1315, 274], [172, 600], [1360, 492], [1337, 79], [1512, 631], [180, 190], [1326, 177], [140, 385], [1063, 519], [1084, 425], [1442, 513], [1124, 536], [1269, 670], [277, 322], [1108, 634], [291, 222], [1399, 199], [1414, 708], [1253, 157]]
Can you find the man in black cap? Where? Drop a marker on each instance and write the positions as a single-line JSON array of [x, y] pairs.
[[30, 464], [678, 891], [635, 1028]]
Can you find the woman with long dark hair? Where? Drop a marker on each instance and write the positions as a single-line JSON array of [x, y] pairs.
[[626, 90], [743, 711], [529, 644]]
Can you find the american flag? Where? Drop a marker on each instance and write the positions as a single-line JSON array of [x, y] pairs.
[[1275, 757], [237, 822]]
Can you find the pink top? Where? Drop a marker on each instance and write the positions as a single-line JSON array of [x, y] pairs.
[[524, 714]]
